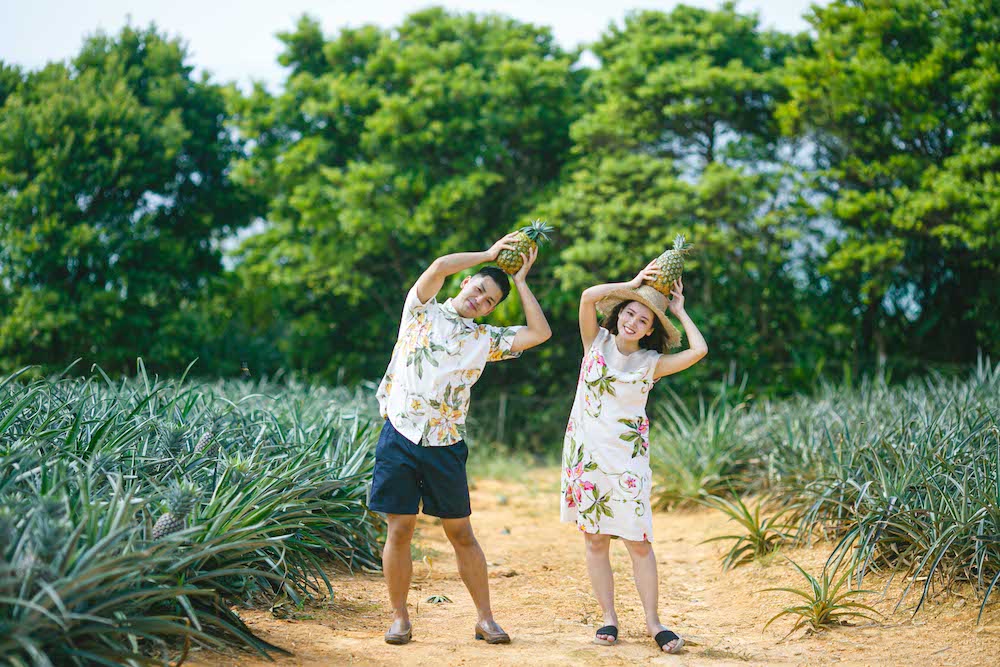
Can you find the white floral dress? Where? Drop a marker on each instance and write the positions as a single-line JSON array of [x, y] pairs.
[[606, 477]]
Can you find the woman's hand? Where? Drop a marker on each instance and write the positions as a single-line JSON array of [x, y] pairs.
[[676, 305], [649, 273]]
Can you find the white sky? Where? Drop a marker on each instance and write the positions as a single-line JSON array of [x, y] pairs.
[[235, 41]]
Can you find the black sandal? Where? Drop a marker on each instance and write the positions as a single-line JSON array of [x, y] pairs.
[[664, 637], [606, 630]]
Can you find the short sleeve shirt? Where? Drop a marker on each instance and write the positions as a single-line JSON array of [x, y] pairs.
[[438, 356]]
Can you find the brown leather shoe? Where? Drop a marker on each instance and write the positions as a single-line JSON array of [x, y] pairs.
[[499, 637], [399, 638]]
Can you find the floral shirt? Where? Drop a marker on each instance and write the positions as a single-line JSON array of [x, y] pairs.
[[438, 356]]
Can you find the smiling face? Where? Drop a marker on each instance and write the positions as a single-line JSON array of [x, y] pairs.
[[635, 321], [478, 297]]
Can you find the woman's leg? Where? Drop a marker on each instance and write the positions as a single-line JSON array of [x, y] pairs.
[[644, 568], [601, 578]]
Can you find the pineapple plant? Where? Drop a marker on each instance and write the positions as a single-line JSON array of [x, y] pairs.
[[528, 238], [208, 445], [172, 439], [671, 265], [8, 527], [181, 499], [238, 469]]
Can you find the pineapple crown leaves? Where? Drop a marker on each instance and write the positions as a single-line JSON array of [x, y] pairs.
[[8, 526], [238, 468], [538, 230], [48, 535], [680, 244], [172, 437], [49, 506], [181, 498]]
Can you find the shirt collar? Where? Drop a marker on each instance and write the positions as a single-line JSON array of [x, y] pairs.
[[449, 310]]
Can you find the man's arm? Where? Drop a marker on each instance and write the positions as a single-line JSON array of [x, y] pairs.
[[537, 330], [430, 281]]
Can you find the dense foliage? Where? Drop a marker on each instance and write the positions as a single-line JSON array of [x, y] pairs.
[[88, 573], [839, 187]]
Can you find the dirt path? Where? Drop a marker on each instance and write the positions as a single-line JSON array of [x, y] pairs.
[[542, 597]]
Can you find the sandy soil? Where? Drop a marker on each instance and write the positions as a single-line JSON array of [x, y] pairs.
[[542, 597]]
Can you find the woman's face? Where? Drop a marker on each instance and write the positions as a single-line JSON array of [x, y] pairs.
[[635, 321]]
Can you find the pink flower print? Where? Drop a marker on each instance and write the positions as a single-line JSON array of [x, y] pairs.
[[577, 493], [630, 484], [594, 358], [587, 486], [578, 470], [644, 427], [571, 427], [569, 497]]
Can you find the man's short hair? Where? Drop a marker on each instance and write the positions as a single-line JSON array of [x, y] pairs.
[[498, 276]]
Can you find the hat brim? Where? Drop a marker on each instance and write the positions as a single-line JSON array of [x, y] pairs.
[[610, 301]]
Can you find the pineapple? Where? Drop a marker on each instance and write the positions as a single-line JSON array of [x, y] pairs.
[[203, 448], [208, 445], [181, 499], [527, 238], [671, 265]]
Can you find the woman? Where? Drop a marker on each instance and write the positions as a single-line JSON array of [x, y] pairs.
[[606, 476]]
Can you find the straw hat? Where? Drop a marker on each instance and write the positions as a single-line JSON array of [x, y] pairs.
[[649, 297]]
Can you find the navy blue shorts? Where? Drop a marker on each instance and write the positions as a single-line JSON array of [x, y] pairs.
[[406, 474]]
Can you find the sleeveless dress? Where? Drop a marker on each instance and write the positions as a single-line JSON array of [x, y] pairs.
[[606, 477]]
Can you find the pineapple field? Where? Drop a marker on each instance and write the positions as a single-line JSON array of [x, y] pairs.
[[135, 516], [151, 522], [901, 480]]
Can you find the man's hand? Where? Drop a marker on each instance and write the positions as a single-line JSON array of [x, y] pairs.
[[526, 263], [506, 243]]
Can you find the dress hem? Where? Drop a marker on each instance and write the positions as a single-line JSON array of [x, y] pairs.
[[645, 538]]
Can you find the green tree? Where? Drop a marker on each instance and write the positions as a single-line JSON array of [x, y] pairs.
[[681, 137], [899, 100], [113, 192], [384, 150]]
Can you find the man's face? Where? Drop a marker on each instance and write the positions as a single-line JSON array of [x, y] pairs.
[[478, 297]]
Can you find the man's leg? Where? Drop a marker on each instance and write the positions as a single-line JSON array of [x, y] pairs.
[[472, 568], [395, 492], [397, 566], [471, 564]]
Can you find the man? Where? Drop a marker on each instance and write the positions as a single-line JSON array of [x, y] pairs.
[[424, 397]]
